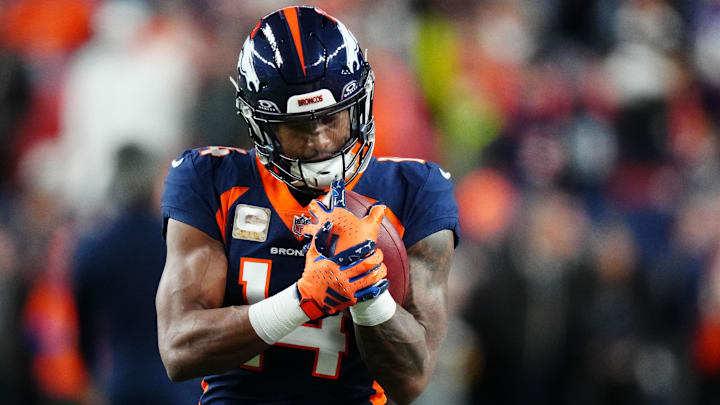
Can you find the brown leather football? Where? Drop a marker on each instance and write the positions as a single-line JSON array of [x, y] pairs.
[[391, 244]]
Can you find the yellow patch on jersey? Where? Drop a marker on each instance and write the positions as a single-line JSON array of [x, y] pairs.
[[251, 223]]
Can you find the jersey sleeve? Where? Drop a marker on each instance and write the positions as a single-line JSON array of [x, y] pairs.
[[433, 206], [189, 194]]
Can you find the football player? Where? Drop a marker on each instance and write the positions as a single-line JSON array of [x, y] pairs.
[[244, 300]]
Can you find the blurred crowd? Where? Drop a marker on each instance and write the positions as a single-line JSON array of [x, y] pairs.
[[583, 140]]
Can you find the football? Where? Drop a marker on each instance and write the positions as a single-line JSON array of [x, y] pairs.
[[391, 244]]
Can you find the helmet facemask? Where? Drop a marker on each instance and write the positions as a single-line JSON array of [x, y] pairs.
[[315, 176]]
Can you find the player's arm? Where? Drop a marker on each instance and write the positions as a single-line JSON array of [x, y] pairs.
[[195, 336], [401, 352]]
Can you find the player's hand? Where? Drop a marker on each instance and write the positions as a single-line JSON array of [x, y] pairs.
[[333, 282], [350, 229]]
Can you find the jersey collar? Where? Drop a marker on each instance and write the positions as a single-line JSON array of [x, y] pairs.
[[282, 200]]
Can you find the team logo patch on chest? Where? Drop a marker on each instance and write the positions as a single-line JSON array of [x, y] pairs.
[[251, 223]]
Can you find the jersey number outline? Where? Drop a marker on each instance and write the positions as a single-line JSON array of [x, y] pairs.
[[220, 151], [327, 339]]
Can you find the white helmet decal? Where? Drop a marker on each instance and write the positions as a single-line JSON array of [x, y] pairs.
[[352, 48], [246, 67], [273, 44]]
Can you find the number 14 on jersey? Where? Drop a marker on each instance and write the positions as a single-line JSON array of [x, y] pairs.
[[327, 338]]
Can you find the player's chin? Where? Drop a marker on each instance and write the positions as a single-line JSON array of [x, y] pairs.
[[310, 191], [317, 157]]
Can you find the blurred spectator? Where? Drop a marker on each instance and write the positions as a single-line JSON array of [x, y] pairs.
[[488, 205], [49, 313], [14, 102], [220, 30], [396, 90], [522, 312], [33, 26], [133, 82], [116, 272], [706, 337], [620, 361], [447, 58], [15, 378], [51, 326], [45, 44], [16, 262]]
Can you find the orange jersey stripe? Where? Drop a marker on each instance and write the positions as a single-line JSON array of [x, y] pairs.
[[280, 197], [283, 201], [378, 398], [292, 20], [226, 200]]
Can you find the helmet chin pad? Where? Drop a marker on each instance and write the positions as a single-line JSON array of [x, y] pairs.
[[319, 175]]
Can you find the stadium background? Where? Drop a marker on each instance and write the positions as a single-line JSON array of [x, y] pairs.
[[582, 138]]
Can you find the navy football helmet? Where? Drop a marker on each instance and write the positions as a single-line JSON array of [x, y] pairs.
[[299, 64]]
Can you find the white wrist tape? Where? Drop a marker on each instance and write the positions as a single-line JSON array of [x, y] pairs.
[[276, 316], [374, 311]]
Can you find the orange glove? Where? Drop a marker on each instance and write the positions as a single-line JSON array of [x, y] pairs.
[[350, 229], [334, 281], [330, 284]]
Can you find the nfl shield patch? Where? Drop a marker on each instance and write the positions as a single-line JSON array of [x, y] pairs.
[[299, 222]]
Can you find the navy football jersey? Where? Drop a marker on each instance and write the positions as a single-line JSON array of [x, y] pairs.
[[226, 193]]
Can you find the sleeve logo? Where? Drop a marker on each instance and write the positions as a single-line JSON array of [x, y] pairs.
[[445, 174]]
